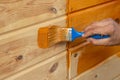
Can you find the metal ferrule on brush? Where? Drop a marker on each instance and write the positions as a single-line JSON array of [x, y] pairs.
[[69, 35]]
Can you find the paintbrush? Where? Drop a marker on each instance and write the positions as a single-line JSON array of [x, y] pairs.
[[49, 36]]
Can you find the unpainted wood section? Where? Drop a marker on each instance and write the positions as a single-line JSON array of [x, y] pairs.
[[74, 59], [117, 78], [109, 69], [54, 68], [79, 20], [15, 14], [89, 56], [81, 4], [19, 49]]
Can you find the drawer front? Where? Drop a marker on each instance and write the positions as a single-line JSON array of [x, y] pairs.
[[79, 20], [81, 4], [19, 49], [109, 69], [87, 57], [15, 14], [54, 68]]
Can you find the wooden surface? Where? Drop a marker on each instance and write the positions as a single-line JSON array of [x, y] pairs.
[[79, 20], [19, 49], [75, 5], [89, 56], [107, 70], [51, 69], [15, 14], [84, 58], [22, 59], [117, 78]]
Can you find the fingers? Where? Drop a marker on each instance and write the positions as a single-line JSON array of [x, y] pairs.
[[97, 30], [100, 41], [92, 26], [103, 27], [99, 24], [89, 32]]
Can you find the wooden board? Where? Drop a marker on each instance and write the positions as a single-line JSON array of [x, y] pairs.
[[15, 14], [87, 57], [82, 4], [54, 68], [19, 49], [79, 20], [117, 78], [107, 70]]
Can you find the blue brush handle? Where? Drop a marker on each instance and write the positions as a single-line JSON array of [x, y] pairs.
[[98, 36], [76, 34]]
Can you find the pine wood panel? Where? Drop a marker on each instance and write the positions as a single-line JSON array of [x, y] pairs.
[[19, 49], [79, 20], [107, 70], [117, 78], [15, 14], [54, 68], [81, 4]]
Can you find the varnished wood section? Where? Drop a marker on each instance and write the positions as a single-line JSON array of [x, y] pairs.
[[51, 69], [79, 20], [15, 14], [109, 69], [83, 57], [88, 57], [19, 49], [75, 5]]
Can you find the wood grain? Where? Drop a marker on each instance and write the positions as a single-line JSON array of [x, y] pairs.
[[88, 57], [51, 69], [117, 78], [75, 5], [109, 69], [80, 20], [19, 49], [15, 14]]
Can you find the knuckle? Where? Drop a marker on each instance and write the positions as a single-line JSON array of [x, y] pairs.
[[109, 19], [94, 24], [87, 28], [106, 20]]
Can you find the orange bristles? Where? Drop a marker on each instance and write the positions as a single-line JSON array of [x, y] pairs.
[[49, 36]]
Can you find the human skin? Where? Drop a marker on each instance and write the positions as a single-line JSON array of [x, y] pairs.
[[104, 27]]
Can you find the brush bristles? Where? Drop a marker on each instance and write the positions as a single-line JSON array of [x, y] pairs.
[[52, 35]]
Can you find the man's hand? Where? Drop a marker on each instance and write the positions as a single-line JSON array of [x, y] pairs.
[[104, 27]]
